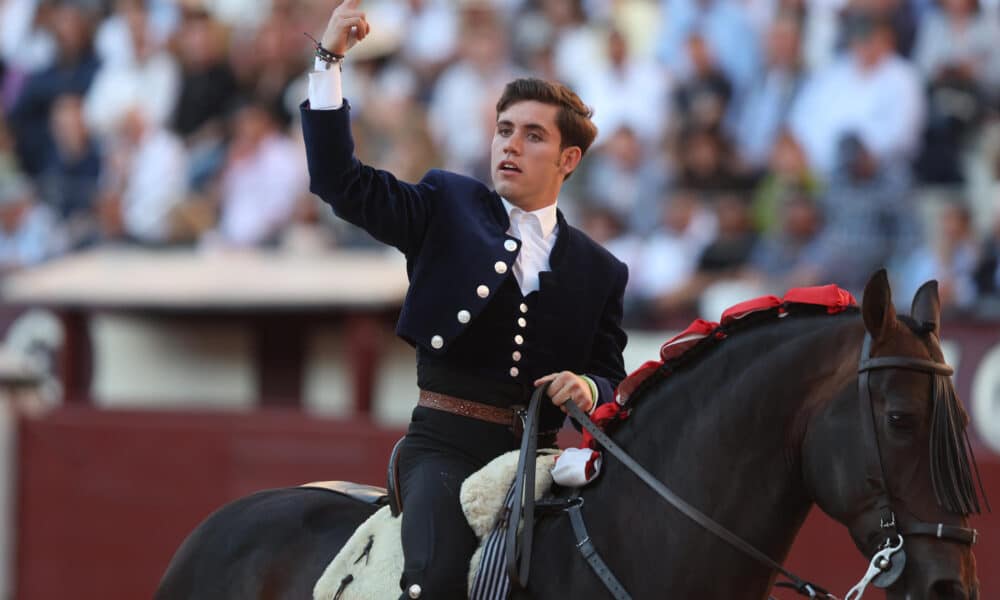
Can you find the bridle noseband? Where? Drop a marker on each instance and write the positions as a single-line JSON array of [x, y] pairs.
[[887, 564]]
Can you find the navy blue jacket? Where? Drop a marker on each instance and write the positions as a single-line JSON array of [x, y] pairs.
[[453, 231]]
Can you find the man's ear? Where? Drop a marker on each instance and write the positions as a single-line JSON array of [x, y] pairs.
[[569, 158]]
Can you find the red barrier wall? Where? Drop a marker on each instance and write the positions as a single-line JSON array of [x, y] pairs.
[[106, 497]]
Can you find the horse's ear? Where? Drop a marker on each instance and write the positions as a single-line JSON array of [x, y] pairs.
[[876, 305], [926, 307]]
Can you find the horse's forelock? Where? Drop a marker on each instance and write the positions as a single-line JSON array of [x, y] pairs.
[[952, 460]]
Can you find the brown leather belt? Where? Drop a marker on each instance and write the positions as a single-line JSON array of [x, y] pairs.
[[513, 417]]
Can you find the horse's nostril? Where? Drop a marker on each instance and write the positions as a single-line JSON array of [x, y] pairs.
[[949, 589]]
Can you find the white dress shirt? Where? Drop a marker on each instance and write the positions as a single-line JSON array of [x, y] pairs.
[[537, 231]]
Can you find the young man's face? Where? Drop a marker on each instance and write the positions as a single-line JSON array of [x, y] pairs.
[[528, 167]]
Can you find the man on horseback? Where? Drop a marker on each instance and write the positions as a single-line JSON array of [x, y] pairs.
[[504, 295]]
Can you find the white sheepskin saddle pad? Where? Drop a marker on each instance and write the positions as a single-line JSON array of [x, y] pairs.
[[371, 563]]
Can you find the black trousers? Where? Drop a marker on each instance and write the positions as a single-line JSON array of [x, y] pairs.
[[440, 450]]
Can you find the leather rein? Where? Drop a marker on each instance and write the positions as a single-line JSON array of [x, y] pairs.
[[885, 567]]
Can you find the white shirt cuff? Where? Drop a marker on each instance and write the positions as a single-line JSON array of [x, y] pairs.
[[324, 87]]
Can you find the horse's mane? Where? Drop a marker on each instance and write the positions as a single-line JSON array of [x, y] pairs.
[[756, 321], [952, 461]]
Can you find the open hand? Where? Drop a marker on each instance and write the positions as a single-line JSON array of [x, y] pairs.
[[567, 386], [348, 26]]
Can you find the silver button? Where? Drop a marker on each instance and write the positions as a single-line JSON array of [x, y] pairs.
[[518, 339], [437, 342], [510, 245], [482, 291], [464, 316], [500, 267], [524, 307], [522, 322], [516, 356], [414, 591], [514, 371]]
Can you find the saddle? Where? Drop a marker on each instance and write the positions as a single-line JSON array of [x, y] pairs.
[[371, 494]]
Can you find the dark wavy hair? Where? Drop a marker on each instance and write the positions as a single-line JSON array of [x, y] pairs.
[[573, 118]]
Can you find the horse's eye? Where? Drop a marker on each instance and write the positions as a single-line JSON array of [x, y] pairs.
[[901, 420]]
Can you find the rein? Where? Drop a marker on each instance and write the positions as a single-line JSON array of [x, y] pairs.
[[886, 565]]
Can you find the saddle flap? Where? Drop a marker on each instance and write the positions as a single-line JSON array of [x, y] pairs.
[[370, 494]]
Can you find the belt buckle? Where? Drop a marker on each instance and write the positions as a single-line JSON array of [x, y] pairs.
[[519, 420]]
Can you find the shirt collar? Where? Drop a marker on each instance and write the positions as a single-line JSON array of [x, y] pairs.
[[545, 216]]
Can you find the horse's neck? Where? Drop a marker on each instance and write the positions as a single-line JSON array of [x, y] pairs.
[[723, 437]]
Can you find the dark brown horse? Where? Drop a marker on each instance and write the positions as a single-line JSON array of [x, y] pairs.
[[752, 431]]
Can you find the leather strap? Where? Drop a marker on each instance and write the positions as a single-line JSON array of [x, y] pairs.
[[800, 585], [469, 408], [518, 543], [901, 362], [589, 552], [953, 533], [874, 468]]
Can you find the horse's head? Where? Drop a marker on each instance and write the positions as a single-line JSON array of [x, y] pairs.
[[888, 456]]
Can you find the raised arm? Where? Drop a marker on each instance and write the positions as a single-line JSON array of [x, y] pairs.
[[392, 211]]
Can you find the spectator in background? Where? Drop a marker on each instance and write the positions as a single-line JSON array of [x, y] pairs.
[[267, 60], [987, 273], [707, 161], [790, 256], [207, 90], [734, 242], [69, 183], [627, 92], [788, 171], [701, 100], [661, 266], [432, 39], [958, 53], [577, 47], [463, 97], [622, 178], [728, 35], [28, 230], [869, 92], [25, 46], [72, 73], [763, 113], [146, 74], [951, 259], [264, 178], [144, 180], [720, 264], [870, 222]]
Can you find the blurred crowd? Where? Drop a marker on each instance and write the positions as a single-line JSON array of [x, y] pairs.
[[745, 146]]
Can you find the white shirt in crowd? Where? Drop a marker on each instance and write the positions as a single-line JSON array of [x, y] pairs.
[[157, 182], [883, 106], [260, 192], [537, 229]]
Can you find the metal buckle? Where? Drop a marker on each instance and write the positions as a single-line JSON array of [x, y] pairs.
[[520, 420], [890, 523]]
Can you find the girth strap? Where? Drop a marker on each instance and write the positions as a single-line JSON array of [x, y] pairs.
[[589, 552]]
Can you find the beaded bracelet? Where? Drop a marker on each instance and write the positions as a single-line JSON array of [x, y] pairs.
[[323, 54]]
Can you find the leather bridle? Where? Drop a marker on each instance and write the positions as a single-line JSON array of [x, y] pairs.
[[886, 565], [891, 563]]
